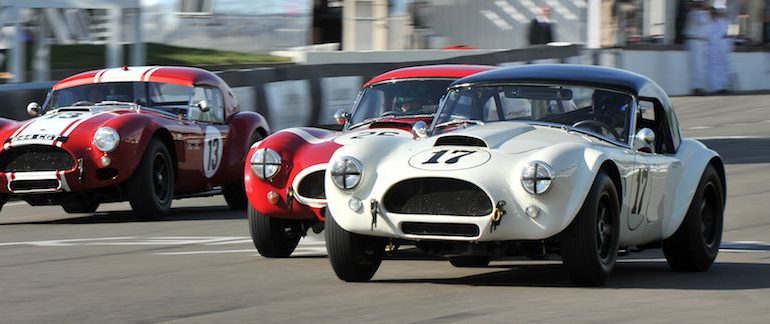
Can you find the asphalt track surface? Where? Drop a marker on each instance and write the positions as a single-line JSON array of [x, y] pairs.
[[198, 263]]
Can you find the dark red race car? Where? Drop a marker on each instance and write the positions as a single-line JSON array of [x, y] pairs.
[[285, 177], [143, 134]]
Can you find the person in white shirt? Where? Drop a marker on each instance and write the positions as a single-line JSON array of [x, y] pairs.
[[696, 32]]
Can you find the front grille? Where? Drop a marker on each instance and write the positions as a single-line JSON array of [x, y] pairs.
[[30, 158], [440, 229], [437, 196], [21, 185], [312, 185]]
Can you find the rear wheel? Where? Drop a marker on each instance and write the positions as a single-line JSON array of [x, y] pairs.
[[589, 245], [695, 244], [151, 188], [470, 261], [354, 257], [80, 207], [274, 237], [235, 193]]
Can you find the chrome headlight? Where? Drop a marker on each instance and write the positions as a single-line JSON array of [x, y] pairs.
[[265, 163], [106, 139], [346, 172], [536, 177]]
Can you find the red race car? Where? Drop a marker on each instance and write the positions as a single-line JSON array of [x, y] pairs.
[[285, 177], [143, 134]]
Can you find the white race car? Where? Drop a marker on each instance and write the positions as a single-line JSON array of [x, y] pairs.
[[580, 161]]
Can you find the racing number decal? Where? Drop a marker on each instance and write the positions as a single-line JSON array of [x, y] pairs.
[[452, 160], [635, 217], [212, 151], [360, 135]]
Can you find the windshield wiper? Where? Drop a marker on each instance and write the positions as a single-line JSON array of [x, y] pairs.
[[365, 122]]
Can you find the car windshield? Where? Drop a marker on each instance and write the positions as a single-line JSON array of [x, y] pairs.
[[400, 98], [168, 97], [599, 112]]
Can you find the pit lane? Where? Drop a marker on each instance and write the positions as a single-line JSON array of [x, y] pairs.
[[198, 264]]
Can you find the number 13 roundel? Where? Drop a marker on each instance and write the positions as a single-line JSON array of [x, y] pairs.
[[212, 151], [449, 159]]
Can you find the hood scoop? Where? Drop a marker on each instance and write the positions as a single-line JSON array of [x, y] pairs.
[[459, 140]]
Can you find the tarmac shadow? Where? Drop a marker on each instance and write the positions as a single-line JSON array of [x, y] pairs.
[[626, 275], [175, 214]]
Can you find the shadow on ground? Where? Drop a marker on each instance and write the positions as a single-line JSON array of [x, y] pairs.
[[175, 214], [634, 274]]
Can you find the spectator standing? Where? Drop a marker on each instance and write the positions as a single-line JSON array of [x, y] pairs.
[[541, 28], [719, 48], [696, 33]]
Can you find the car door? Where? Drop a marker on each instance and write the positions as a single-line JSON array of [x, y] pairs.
[[654, 166], [208, 112]]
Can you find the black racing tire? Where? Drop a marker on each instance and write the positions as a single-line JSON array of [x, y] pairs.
[[80, 207], [235, 193], [354, 257], [3, 200], [695, 244], [589, 245], [470, 261], [151, 188], [274, 237]]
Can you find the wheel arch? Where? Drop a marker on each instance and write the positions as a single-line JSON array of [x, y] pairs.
[[719, 165], [612, 170], [165, 137]]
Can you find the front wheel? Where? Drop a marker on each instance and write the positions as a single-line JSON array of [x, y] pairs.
[[695, 244], [274, 237], [354, 257], [589, 245], [151, 188]]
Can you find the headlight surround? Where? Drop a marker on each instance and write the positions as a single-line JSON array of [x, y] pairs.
[[265, 163], [106, 139], [346, 172], [536, 177]]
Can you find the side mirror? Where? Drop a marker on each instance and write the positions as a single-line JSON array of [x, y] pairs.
[[33, 109], [420, 129], [341, 116], [645, 140], [203, 105]]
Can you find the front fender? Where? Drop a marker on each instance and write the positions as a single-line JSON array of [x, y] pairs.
[[575, 167]]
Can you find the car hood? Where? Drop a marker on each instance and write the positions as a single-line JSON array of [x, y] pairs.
[[57, 125], [511, 137]]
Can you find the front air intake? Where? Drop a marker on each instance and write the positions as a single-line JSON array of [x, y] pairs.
[[457, 140], [440, 229], [312, 185], [437, 196], [31, 158]]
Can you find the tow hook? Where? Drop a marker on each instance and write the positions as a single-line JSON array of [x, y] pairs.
[[289, 198], [374, 205], [497, 216]]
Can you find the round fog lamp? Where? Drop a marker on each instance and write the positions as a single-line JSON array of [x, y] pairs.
[[532, 212], [272, 197], [355, 204], [106, 161]]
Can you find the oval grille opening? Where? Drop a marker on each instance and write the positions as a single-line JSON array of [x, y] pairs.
[[312, 185], [437, 196], [30, 158]]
